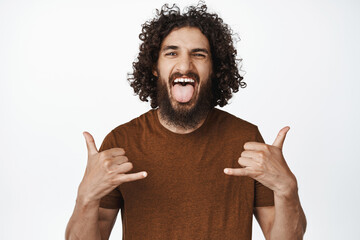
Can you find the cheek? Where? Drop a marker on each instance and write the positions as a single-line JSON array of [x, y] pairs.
[[205, 76], [164, 67], [205, 69]]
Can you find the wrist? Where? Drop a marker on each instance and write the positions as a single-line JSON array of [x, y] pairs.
[[288, 190], [85, 197], [85, 202]]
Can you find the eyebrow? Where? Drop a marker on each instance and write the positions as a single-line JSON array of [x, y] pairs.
[[170, 47], [200, 50], [173, 47]]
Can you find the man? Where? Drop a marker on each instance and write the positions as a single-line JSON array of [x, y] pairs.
[[186, 170]]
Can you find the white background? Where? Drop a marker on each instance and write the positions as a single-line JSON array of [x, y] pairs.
[[63, 67]]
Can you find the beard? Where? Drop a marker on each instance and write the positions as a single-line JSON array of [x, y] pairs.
[[182, 115]]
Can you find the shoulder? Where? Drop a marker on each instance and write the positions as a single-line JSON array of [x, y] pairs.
[[119, 135], [234, 125], [223, 117], [137, 124]]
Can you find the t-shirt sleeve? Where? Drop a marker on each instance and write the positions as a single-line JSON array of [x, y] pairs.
[[263, 195], [114, 199]]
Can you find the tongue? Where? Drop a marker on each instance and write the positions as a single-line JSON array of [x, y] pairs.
[[181, 93]]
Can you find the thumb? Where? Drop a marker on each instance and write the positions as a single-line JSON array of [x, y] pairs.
[[279, 141], [90, 143]]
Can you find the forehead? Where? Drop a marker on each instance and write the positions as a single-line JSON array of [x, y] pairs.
[[186, 37]]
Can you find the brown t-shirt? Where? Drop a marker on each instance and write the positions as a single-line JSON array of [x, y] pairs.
[[186, 194]]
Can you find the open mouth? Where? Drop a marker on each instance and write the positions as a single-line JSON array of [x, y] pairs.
[[184, 81], [183, 89]]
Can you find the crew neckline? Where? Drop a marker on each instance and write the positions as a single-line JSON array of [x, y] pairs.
[[198, 131]]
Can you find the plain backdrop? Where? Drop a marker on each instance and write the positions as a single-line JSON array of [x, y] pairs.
[[63, 67]]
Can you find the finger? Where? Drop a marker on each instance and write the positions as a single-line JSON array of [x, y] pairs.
[[90, 143], [254, 155], [132, 177], [244, 172], [114, 163], [122, 168], [114, 152], [279, 141], [255, 146], [246, 162], [119, 160]]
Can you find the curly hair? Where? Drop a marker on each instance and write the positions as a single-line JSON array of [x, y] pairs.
[[226, 78]]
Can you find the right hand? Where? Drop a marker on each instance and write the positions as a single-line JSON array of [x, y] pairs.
[[104, 171]]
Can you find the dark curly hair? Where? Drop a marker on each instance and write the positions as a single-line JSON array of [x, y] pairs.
[[226, 78]]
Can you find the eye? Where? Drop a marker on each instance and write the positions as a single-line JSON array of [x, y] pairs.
[[170, 54], [199, 55]]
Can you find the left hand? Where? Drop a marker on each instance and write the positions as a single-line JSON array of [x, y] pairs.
[[266, 164]]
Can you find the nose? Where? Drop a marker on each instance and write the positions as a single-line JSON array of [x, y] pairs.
[[184, 64]]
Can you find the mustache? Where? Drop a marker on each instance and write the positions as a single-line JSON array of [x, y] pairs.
[[187, 75]]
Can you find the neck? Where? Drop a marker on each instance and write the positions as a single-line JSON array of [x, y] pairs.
[[178, 129]]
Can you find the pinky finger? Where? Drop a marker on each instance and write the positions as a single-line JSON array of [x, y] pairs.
[[238, 172], [132, 177]]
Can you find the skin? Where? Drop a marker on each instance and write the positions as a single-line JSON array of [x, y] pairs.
[[104, 171], [183, 50], [266, 164], [187, 49]]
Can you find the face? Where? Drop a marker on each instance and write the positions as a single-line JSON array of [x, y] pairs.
[[184, 71]]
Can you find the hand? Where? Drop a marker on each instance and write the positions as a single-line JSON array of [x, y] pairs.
[[104, 171], [266, 164]]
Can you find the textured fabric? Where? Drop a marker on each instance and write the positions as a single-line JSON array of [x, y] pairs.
[[186, 194]]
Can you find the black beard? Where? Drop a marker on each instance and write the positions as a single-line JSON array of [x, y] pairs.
[[183, 117]]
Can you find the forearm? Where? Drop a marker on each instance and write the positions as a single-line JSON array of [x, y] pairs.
[[84, 223], [290, 220]]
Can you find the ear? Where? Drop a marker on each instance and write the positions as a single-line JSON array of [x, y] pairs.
[[154, 71]]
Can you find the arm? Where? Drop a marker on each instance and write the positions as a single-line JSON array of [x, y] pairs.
[[88, 221], [286, 220], [107, 218], [266, 164], [104, 172]]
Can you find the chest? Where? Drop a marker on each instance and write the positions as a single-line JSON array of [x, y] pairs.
[[178, 170]]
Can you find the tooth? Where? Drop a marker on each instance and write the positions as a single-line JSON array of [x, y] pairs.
[[184, 80]]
